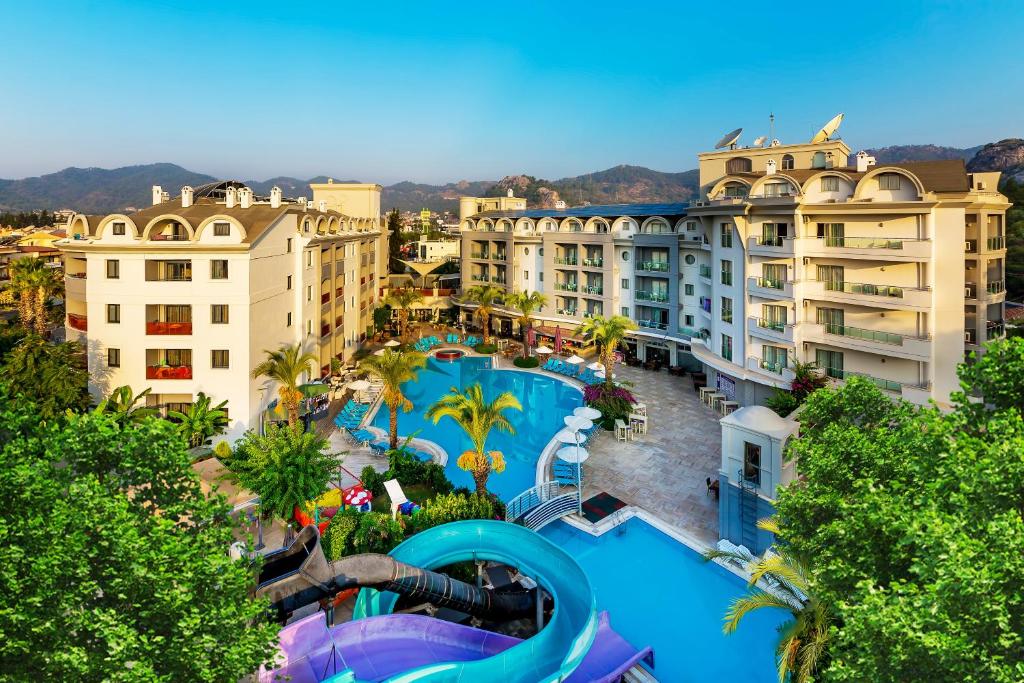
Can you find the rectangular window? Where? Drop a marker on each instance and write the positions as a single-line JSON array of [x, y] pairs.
[[113, 313], [691, 226], [289, 282], [289, 320], [540, 277], [726, 272], [688, 290], [773, 317], [289, 247], [688, 320], [309, 259], [113, 269], [830, 184], [309, 327], [113, 358], [772, 234], [309, 292], [526, 275], [219, 269], [726, 235], [774, 275], [625, 283], [831, 362], [118, 229], [726, 309], [726, 347], [219, 358], [752, 463], [219, 314], [773, 358], [221, 229], [625, 311], [889, 181]]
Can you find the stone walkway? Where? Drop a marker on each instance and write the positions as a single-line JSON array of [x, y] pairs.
[[663, 471]]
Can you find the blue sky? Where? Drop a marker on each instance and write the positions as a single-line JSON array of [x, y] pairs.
[[431, 92]]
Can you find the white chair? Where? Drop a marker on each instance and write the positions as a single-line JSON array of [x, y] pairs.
[[638, 423], [396, 494], [640, 409], [621, 430]]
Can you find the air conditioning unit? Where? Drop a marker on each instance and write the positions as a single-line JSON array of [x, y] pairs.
[[969, 336]]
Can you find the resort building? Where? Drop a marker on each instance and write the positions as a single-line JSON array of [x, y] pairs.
[[469, 206], [187, 295], [794, 253]]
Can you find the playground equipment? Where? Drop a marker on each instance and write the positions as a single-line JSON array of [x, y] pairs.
[[576, 645]]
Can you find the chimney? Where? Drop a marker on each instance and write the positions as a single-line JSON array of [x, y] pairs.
[[510, 193], [158, 194], [330, 181], [231, 195], [770, 168], [186, 197], [275, 197], [864, 161], [244, 198], [321, 206]]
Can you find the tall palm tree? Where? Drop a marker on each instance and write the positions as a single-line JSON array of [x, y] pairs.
[[394, 368], [122, 405], [403, 299], [35, 285], [200, 422], [477, 417], [286, 367], [803, 640], [485, 297], [608, 333], [526, 303]]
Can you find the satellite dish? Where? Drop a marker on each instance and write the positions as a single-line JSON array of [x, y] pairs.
[[828, 129], [729, 139], [760, 141]]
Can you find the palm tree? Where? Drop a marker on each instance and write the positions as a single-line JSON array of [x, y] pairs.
[[608, 333], [526, 303], [122, 405], [477, 418], [485, 297], [200, 423], [286, 367], [35, 285], [403, 299], [394, 368], [802, 641]]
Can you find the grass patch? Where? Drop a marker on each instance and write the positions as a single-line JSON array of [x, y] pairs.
[[485, 349], [530, 362]]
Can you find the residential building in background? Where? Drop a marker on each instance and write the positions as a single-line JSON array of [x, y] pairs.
[[187, 295]]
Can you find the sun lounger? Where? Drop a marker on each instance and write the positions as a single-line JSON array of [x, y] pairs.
[[396, 494]]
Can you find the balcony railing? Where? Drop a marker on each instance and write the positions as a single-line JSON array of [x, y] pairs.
[[773, 325], [591, 314], [499, 257], [77, 276], [996, 243], [478, 254], [593, 262], [566, 311], [566, 286], [705, 271], [658, 297], [652, 324], [168, 372], [325, 330], [78, 322], [655, 266], [867, 335], [770, 240], [775, 367], [566, 260], [864, 243], [864, 288], [594, 289], [996, 287], [770, 283], [995, 329], [883, 384], [157, 327], [497, 280]]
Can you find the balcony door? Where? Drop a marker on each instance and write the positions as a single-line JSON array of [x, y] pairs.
[[774, 274], [832, 318], [832, 276], [831, 362], [774, 316], [833, 233]]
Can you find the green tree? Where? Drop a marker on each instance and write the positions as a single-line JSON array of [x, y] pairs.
[[286, 366], [51, 376], [802, 640], [201, 422], [486, 297], [394, 368], [915, 520], [393, 222], [285, 467], [608, 333], [34, 284], [403, 299], [123, 402], [113, 564], [381, 316], [477, 417], [526, 303]]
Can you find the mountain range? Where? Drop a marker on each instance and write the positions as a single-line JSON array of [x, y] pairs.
[[98, 190]]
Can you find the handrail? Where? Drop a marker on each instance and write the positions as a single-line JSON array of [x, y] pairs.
[[530, 499], [554, 509]]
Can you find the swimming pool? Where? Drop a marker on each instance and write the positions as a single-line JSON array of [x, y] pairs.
[[546, 401], [661, 593]]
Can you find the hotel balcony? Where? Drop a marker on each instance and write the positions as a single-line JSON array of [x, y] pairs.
[[705, 273], [653, 297], [911, 391], [566, 286], [770, 330], [995, 329], [74, 285], [168, 364], [652, 324], [777, 371], [168, 372], [653, 266], [874, 295], [593, 262], [499, 256], [570, 260], [872, 341], [157, 327], [870, 248], [996, 244], [593, 290], [768, 288], [78, 322], [778, 247]]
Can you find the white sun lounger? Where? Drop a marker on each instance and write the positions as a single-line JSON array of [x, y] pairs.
[[396, 494]]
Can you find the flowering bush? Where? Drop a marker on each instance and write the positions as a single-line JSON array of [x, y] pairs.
[[614, 402]]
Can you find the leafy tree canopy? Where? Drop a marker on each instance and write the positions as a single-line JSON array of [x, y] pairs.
[[51, 376]]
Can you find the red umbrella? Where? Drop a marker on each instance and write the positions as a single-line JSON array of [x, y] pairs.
[[558, 340]]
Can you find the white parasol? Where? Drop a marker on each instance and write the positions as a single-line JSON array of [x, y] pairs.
[[587, 412], [567, 436], [573, 454], [576, 423], [392, 343], [359, 385], [595, 366], [543, 349], [574, 359]]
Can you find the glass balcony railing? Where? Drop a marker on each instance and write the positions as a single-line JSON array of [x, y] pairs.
[[773, 325], [864, 288], [770, 283], [566, 286], [770, 240], [652, 324], [659, 297], [996, 243], [478, 254], [566, 311], [498, 257], [593, 262], [864, 243], [883, 384], [566, 260], [995, 329], [705, 271], [654, 266], [497, 280], [867, 335], [775, 367], [594, 289]]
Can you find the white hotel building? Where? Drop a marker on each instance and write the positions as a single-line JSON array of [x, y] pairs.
[[187, 295]]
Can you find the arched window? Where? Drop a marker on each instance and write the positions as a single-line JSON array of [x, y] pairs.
[[818, 160], [739, 165], [787, 162]]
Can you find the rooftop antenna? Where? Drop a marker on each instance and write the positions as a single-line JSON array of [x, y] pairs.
[[771, 125], [729, 139], [828, 130]]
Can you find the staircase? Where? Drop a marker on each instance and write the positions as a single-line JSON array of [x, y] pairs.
[[748, 513], [537, 507]]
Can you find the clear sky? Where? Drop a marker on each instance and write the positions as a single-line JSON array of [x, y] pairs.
[[441, 91]]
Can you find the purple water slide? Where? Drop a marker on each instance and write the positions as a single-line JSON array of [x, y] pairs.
[[609, 657]]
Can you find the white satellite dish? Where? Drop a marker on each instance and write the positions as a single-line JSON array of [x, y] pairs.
[[828, 129], [729, 139], [760, 140]]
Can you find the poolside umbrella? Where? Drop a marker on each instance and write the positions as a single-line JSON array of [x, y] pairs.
[[587, 412], [596, 365], [379, 352], [542, 349], [359, 385], [392, 343], [576, 423], [573, 454], [574, 359], [567, 436], [558, 339]]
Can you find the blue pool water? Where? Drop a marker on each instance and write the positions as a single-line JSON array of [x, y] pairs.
[[659, 592], [546, 401]]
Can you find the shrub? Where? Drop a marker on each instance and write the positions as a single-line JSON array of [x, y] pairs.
[[222, 450], [452, 507], [530, 362], [339, 536], [614, 402], [377, 533], [782, 402], [485, 349]]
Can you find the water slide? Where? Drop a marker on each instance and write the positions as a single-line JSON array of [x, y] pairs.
[[575, 645]]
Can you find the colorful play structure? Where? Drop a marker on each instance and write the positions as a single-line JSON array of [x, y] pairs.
[[319, 512], [577, 644]]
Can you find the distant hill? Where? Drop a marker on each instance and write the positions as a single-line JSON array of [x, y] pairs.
[[896, 154], [619, 185], [1006, 156]]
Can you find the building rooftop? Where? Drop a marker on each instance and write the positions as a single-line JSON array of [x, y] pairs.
[[944, 175], [602, 210]]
